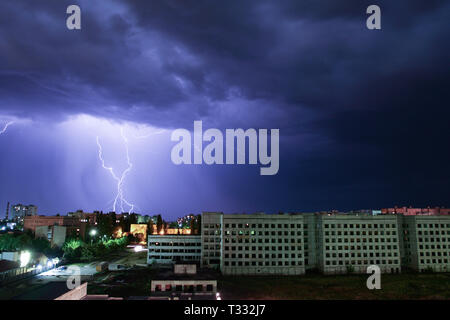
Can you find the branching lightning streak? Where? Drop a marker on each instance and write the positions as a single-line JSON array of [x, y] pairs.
[[119, 199], [6, 127], [150, 134]]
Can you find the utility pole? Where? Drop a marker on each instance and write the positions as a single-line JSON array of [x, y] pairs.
[[7, 211]]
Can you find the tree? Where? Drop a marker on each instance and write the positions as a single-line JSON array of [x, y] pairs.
[[72, 249], [105, 226], [159, 223], [133, 218], [113, 218], [150, 227]]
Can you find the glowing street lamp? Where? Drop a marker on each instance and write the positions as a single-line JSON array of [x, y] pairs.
[[25, 257], [93, 232]]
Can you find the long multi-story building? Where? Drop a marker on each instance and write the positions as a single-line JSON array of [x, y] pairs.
[[292, 243], [425, 242]]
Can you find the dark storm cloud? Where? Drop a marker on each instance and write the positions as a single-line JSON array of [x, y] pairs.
[[138, 59]]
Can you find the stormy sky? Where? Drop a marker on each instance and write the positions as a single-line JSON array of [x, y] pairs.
[[363, 114]]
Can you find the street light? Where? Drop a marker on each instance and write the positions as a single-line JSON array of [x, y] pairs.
[[93, 232], [25, 258]]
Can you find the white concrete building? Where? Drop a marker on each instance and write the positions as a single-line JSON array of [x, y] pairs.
[[426, 242], [253, 243], [167, 249], [351, 243]]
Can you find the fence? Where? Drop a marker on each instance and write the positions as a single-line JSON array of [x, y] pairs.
[[21, 273]]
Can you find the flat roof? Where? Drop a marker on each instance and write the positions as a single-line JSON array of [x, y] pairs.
[[202, 274], [49, 291]]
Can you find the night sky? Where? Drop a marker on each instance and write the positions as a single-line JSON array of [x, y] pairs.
[[363, 114]]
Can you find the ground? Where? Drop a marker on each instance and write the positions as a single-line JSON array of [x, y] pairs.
[[343, 287], [136, 282], [404, 286]]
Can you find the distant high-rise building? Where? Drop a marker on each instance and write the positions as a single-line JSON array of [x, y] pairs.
[[20, 211]]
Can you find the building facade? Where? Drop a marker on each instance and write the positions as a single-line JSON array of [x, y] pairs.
[[253, 244], [291, 244], [351, 243], [73, 225], [20, 211], [425, 242], [55, 234], [166, 249]]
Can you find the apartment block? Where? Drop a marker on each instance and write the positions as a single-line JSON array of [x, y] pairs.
[[351, 243], [253, 243], [55, 234], [425, 242], [166, 249], [292, 243], [73, 225]]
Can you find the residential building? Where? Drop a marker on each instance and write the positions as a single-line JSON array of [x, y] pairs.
[[20, 211], [73, 225], [253, 244], [425, 242], [55, 234], [351, 243], [409, 211]]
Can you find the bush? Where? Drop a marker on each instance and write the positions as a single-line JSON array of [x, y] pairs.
[[350, 269], [75, 249], [72, 249]]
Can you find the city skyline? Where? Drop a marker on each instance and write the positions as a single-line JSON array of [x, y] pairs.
[[86, 115]]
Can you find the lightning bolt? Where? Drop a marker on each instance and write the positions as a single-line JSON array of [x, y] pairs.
[[150, 134], [119, 199], [6, 127]]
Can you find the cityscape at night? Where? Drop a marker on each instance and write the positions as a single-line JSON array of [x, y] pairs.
[[223, 157]]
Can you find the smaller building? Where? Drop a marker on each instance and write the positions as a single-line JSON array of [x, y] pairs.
[[55, 234], [73, 225], [185, 269], [410, 211], [185, 285], [169, 249]]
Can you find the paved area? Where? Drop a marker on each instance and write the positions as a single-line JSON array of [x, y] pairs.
[[40, 286]]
